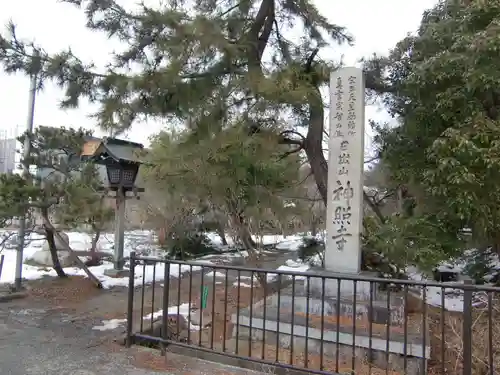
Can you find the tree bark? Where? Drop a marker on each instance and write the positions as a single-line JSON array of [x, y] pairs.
[[313, 146], [94, 259], [221, 234], [314, 226], [49, 234]]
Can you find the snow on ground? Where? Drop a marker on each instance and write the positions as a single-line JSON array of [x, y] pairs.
[[182, 310], [139, 241], [215, 274], [290, 266], [287, 243], [453, 298], [143, 242], [242, 285]]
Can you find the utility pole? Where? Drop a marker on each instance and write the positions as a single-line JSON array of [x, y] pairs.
[[26, 153]]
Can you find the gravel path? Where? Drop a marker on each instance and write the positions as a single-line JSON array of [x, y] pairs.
[[50, 332], [42, 342], [47, 342]]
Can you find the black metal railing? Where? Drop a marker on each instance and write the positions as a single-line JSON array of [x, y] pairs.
[[314, 322]]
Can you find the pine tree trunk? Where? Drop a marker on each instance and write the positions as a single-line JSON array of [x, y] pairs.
[[221, 234], [249, 244], [314, 227], [94, 259], [49, 233]]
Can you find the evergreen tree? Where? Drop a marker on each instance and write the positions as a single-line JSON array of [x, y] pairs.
[[444, 92], [60, 187], [205, 63]]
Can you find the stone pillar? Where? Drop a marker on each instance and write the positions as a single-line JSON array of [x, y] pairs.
[[345, 171], [118, 261], [345, 185]]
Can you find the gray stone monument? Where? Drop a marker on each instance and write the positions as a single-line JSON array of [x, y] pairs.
[[345, 183]]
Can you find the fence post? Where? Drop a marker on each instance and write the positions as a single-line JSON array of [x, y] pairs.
[[467, 328], [130, 302]]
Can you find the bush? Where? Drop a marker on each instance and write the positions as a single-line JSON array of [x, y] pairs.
[[481, 266], [312, 251], [193, 245]]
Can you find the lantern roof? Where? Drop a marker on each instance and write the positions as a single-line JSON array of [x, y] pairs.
[[109, 150]]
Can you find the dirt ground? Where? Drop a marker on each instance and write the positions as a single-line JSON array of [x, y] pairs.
[[79, 297]]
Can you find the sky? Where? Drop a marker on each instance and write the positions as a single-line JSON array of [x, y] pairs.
[[376, 25]]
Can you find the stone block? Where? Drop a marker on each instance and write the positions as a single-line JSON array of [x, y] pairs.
[[338, 284], [351, 323], [111, 272]]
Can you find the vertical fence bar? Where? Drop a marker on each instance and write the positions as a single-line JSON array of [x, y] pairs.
[[224, 333], [278, 321], [443, 325], [264, 314], [190, 307], [212, 323], [388, 328], [321, 356], [237, 347], [153, 286], [354, 309], [337, 340], [143, 291], [201, 307], [490, 333], [308, 308], [250, 328], [130, 302], [166, 292], [178, 320], [370, 326], [467, 328], [424, 328], [405, 330], [292, 327]]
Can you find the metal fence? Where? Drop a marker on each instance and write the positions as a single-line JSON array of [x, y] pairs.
[[313, 322]]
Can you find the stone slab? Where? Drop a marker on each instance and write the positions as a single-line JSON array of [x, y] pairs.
[[375, 311], [293, 310], [111, 272], [338, 284], [380, 307], [410, 359]]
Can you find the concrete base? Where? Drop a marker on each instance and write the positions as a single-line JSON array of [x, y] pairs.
[[337, 285], [370, 328], [111, 272]]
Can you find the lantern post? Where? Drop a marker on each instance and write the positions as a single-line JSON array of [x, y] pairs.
[[119, 157]]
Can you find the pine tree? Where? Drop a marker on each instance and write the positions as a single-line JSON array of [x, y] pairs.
[[204, 63], [60, 187]]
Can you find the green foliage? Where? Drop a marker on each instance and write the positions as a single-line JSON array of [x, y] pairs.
[[60, 186], [231, 170], [443, 89], [421, 240], [193, 55], [15, 196], [188, 246], [84, 201], [312, 251], [204, 65]]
